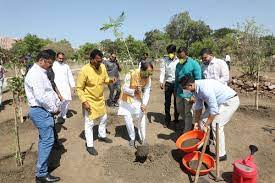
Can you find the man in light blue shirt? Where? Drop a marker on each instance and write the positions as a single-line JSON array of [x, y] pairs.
[[222, 103]]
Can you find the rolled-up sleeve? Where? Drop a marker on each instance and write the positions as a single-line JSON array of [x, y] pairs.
[[198, 104], [211, 101]]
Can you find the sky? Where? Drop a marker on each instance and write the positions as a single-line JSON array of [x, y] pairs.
[[79, 20]]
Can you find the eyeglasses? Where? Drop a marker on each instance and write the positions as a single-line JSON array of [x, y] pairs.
[[146, 73]]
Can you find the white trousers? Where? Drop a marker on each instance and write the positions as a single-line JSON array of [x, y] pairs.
[[226, 112], [141, 125], [89, 124], [64, 108]]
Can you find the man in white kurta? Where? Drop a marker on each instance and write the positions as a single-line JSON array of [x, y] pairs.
[[64, 82], [214, 68], [133, 102]]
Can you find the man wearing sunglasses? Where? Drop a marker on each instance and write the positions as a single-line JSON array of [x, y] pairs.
[[113, 69], [134, 99]]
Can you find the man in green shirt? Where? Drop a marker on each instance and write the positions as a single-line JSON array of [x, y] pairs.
[[184, 99]]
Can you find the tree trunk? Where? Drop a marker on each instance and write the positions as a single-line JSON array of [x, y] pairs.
[[257, 90], [17, 142], [20, 110]]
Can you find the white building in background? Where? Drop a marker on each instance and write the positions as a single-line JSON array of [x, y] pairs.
[[7, 42]]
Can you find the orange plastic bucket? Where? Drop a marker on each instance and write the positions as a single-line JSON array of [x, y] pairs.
[[190, 135], [206, 159]]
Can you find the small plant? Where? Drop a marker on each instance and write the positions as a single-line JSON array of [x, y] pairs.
[[115, 24]]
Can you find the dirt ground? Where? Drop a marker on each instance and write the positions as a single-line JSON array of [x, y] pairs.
[[116, 162]]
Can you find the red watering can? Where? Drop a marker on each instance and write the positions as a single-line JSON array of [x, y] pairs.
[[245, 170]]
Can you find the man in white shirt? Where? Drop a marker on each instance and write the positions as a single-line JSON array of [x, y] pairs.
[[167, 81], [64, 81], [228, 60], [214, 68], [44, 103]]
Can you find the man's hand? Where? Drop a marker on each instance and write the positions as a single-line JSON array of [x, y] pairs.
[[161, 86], [113, 80], [138, 90], [192, 100], [57, 112], [204, 127], [86, 106], [143, 108], [196, 126], [60, 98]]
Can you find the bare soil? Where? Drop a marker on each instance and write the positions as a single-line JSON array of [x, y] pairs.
[[116, 162]]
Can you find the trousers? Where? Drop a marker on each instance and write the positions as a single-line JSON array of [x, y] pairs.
[[141, 125], [226, 112], [89, 124], [169, 91], [184, 109], [44, 122]]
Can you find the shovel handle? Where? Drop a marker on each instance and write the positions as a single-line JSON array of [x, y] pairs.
[[201, 156], [217, 152]]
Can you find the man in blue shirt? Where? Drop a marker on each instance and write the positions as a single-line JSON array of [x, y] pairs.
[[222, 103], [186, 66]]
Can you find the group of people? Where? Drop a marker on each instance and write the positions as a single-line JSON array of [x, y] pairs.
[[49, 85], [202, 84]]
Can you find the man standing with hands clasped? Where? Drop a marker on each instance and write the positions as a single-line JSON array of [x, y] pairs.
[[222, 103], [44, 103], [167, 82], [90, 87]]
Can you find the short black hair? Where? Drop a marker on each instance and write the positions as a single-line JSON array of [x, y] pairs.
[[171, 48], [186, 80], [206, 51], [145, 64], [183, 49], [60, 53], [46, 54], [96, 52]]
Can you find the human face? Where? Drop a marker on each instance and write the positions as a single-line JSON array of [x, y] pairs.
[[206, 58], [146, 74], [113, 57], [96, 61], [60, 58], [46, 63], [182, 55], [189, 88]]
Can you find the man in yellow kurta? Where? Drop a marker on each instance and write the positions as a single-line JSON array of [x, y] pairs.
[[90, 86]]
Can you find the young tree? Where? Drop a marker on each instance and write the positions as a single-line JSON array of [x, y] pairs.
[[251, 51], [115, 24]]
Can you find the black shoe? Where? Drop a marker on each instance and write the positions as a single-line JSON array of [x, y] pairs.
[[106, 140], [92, 151], [166, 124], [116, 104], [140, 141], [223, 158], [58, 145], [47, 178]]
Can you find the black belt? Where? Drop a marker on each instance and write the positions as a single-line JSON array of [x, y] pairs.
[[37, 107], [234, 96]]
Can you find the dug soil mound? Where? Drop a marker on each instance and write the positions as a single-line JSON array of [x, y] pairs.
[[119, 163], [9, 173]]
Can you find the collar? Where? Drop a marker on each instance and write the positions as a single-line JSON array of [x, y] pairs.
[[196, 87], [40, 68]]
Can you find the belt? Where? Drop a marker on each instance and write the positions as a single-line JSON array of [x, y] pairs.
[[234, 96], [36, 107]]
